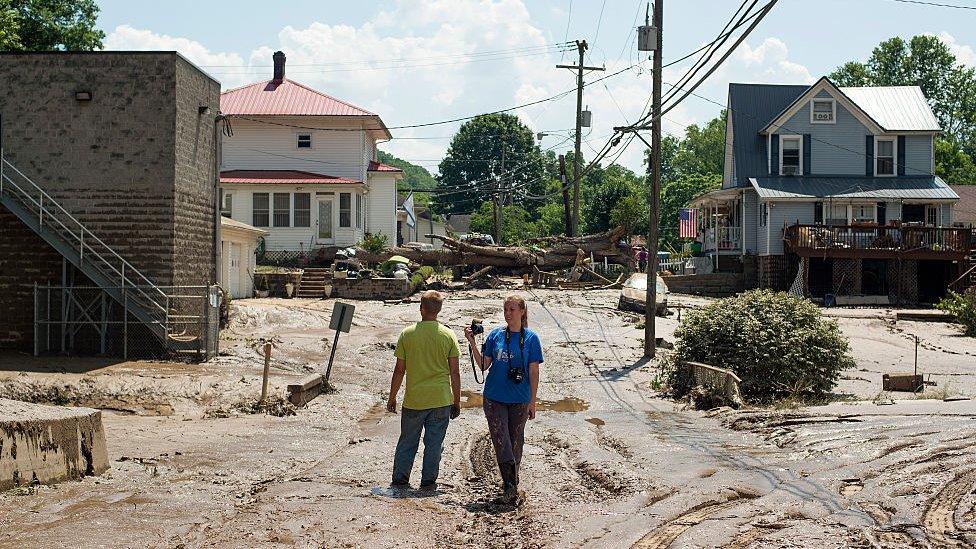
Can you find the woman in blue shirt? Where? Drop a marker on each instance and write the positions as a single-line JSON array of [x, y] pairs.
[[512, 356]]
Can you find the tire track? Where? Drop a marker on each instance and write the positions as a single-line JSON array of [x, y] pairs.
[[664, 535], [939, 518]]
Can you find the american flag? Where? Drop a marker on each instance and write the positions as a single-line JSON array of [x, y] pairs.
[[688, 223]]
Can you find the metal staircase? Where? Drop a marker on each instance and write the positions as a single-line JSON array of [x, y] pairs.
[[147, 302]]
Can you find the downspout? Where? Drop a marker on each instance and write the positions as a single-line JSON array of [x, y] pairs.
[[216, 194], [742, 226]]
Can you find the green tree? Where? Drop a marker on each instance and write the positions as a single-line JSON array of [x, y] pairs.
[[630, 213], [617, 183], [45, 25], [517, 224], [952, 163], [473, 164]]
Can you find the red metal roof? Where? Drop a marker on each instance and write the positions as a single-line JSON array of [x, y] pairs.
[[285, 98], [375, 166], [281, 177]]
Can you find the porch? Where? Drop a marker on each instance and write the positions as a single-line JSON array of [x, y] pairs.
[[869, 241], [720, 222]]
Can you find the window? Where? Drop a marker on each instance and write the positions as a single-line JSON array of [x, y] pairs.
[[359, 211], [304, 141], [838, 214], [862, 213], [763, 214], [259, 210], [789, 161], [932, 216], [303, 210], [884, 156], [226, 206], [345, 210], [823, 111], [282, 210]]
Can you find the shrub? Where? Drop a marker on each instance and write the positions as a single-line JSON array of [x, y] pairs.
[[778, 345], [963, 307], [374, 242]]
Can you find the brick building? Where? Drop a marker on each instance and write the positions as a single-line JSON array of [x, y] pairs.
[[124, 144]]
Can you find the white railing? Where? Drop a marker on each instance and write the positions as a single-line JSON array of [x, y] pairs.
[[92, 251], [723, 238]]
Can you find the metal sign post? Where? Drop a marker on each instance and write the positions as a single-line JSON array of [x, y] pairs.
[[341, 322]]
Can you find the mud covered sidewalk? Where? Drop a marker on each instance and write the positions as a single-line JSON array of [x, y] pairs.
[[607, 464]]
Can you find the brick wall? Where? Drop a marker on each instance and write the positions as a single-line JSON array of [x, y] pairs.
[[711, 285], [134, 164], [24, 259]]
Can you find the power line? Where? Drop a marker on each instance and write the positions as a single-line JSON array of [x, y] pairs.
[[936, 4]]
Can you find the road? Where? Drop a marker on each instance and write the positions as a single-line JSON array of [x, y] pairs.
[[608, 462]]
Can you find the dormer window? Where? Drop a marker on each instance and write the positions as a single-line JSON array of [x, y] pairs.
[[790, 159], [304, 141], [884, 156], [823, 111]]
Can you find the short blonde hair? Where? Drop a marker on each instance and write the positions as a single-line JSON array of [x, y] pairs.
[[431, 301]]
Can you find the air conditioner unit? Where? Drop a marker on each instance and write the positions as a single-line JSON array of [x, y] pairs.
[[791, 170]]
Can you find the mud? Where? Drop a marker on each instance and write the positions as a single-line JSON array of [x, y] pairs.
[[608, 462]]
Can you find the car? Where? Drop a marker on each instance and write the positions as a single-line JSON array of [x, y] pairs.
[[634, 292]]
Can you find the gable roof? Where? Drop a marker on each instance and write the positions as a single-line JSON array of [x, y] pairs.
[[821, 85], [896, 108], [289, 98], [752, 106], [375, 166], [281, 177]]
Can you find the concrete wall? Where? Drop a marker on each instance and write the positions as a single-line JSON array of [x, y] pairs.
[[46, 444], [135, 164]]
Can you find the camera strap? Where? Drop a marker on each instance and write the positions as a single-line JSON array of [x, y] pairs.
[[474, 366], [508, 337]]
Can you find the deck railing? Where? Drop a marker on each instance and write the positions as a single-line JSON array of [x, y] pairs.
[[722, 238], [863, 237]]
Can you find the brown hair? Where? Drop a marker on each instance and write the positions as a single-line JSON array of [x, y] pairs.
[[521, 304], [431, 301]]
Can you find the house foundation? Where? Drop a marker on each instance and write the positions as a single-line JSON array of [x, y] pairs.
[[47, 444]]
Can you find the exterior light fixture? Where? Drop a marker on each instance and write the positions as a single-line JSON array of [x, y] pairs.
[[83, 95]]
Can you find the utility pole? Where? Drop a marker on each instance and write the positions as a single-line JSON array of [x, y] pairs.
[[567, 210], [650, 301], [498, 201], [577, 167]]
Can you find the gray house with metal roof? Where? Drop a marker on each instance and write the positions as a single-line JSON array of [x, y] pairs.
[[834, 190]]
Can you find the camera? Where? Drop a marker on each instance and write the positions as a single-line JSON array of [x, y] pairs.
[[516, 375], [476, 327]]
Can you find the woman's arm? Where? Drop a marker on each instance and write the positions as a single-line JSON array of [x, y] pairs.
[[484, 361], [534, 382]]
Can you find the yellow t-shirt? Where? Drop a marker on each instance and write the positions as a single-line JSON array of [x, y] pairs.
[[425, 347]]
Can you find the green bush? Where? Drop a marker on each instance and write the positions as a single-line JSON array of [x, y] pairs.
[[374, 242], [963, 307], [779, 345]]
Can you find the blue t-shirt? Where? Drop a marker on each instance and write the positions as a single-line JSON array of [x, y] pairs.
[[498, 386]]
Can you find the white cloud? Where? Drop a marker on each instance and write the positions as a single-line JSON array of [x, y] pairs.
[[964, 53], [440, 72]]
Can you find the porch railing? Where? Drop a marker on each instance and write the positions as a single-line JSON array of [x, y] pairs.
[[723, 238], [895, 239]]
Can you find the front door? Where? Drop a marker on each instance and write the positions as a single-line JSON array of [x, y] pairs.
[[325, 230], [234, 276]]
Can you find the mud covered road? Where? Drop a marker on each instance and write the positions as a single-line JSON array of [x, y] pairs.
[[607, 462]]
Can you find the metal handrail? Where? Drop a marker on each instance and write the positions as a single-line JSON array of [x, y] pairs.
[[80, 238]]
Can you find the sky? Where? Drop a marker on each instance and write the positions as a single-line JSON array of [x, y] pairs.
[[422, 61]]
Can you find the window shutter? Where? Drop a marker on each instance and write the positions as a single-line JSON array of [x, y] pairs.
[[774, 155], [818, 212], [869, 156], [901, 155], [806, 154]]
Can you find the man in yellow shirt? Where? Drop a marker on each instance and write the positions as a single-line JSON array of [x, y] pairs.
[[427, 353]]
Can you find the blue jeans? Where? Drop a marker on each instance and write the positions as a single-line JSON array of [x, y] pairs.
[[434, 424]]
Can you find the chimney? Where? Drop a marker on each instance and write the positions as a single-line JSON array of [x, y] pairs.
[[279, 66]]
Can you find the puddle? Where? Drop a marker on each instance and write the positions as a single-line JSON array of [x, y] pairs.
[[595, 421], [471, 399]]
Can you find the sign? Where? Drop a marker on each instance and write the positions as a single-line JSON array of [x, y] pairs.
[[342, 317], [411, 215]]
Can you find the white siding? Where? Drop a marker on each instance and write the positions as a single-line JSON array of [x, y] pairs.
[[247, 242], [261, 146], [381, 206], [297, 238]]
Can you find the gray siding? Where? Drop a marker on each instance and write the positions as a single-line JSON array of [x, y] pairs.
[[835, 149], [750, 221], [782, 214], [893, 211], [918, 155], [946, 211]]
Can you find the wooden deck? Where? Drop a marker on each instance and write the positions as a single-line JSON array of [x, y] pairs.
[[871, 242]]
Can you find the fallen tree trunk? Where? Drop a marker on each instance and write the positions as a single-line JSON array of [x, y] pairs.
[[561, 253]]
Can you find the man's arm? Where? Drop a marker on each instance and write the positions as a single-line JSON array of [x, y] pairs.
[[534, 382], [398, 372], [455, 385]]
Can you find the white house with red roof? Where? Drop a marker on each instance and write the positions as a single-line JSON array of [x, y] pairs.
[[301, 165]]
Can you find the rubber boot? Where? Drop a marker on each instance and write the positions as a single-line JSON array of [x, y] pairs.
[[509, 486]]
